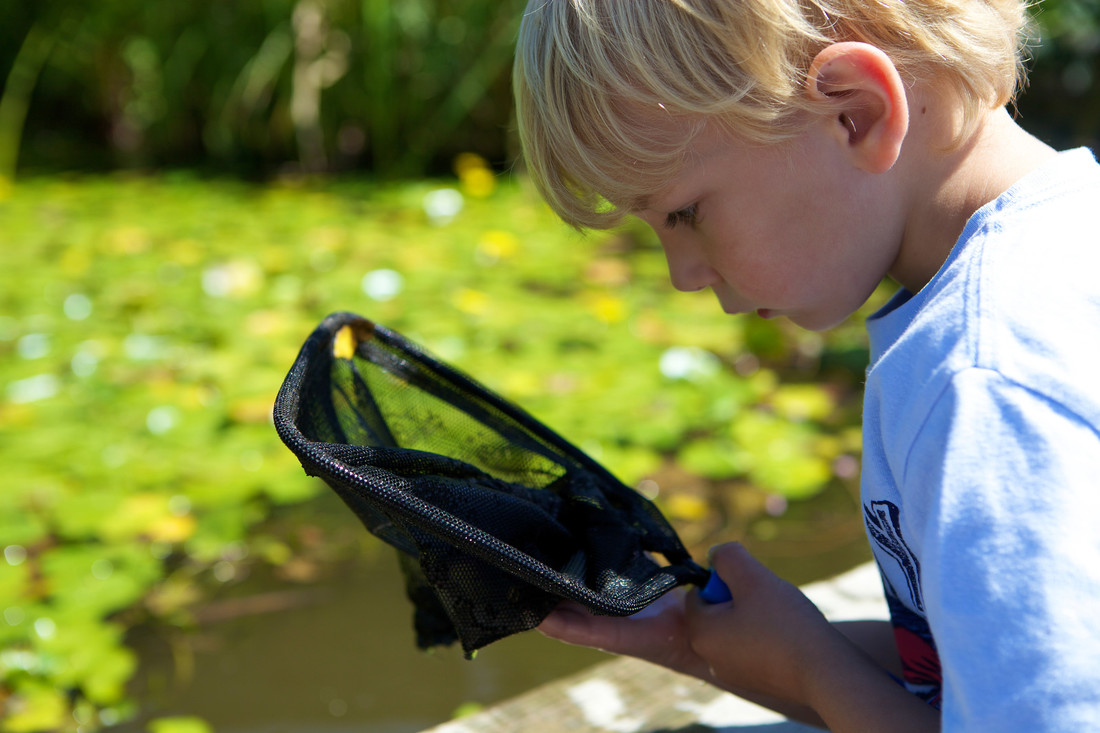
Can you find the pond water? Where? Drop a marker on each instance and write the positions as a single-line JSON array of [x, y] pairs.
[[338, 654], [335, 656]]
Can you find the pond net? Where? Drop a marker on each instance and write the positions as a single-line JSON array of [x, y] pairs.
[[495, 517]]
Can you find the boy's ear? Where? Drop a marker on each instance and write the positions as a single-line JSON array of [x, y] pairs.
[[864, 97]]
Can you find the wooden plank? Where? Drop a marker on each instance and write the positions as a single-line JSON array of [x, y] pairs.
[[623, 696]]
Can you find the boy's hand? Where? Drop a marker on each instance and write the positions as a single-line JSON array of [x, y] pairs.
[[751, 646], [658, 634], [761, 642], [770, 639], [770, 644]]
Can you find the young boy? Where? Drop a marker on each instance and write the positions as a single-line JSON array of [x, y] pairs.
[[789, 154]]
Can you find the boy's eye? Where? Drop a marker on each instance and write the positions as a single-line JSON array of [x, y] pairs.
[[685, 215]]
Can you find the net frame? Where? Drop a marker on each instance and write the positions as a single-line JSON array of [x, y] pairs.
[[361, 474]]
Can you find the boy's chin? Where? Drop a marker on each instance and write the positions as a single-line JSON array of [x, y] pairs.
[[813, 321]]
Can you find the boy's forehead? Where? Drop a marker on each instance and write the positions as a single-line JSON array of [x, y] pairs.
[[672, 143], [707, 143]]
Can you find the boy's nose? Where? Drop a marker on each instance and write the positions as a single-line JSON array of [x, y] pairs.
[[689, 272], [689, 284]]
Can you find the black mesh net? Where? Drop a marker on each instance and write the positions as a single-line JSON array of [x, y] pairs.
[[496, 518]]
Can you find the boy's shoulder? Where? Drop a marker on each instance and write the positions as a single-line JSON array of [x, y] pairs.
[[1019, 294], [1027, 260], [1068, 180]]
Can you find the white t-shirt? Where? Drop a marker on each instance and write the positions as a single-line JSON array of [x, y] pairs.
[[981, 462]]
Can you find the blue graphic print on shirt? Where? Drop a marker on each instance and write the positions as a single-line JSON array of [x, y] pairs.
[[916, 647]]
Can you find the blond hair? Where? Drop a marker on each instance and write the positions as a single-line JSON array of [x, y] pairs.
[[590, 74]]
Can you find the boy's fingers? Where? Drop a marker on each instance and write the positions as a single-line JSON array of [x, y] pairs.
[[563, 621], [734, 564], [650, 634], [573, 624]]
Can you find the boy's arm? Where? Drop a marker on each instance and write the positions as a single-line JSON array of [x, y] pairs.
[[876, 640], [770, 645]]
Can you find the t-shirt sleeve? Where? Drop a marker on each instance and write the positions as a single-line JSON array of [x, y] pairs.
[[1010, 555]]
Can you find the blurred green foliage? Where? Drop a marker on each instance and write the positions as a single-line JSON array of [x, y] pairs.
[[148, 322], [1062, 102], [397, 88]]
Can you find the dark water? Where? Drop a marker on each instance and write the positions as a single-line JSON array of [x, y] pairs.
[[338, 654], [344, 659]]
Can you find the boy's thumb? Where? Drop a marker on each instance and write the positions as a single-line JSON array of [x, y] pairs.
[[735, 565]]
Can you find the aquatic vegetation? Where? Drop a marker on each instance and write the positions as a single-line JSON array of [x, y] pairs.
[[147, 322]]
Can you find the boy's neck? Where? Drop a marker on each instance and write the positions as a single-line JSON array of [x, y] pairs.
[[948, 187]]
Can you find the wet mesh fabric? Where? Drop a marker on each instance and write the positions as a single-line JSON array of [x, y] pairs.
[[495, 517]]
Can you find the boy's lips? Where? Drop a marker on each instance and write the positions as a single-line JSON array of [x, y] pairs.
[[729, 307], [732, 307]]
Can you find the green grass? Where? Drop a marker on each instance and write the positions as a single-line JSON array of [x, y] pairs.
[[147, 322]]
